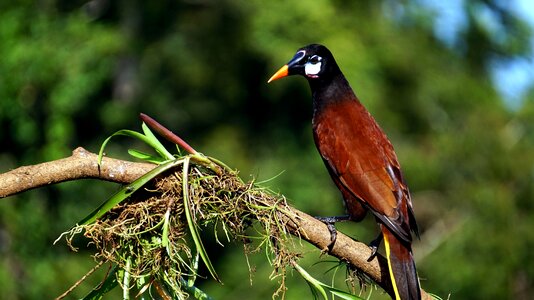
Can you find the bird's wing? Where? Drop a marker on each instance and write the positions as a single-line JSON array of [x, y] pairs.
[[362, 158]]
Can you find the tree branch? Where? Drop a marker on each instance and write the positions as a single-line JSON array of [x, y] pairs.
[[83, 164]]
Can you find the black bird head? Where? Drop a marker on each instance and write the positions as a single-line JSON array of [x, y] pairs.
[[315, 62]]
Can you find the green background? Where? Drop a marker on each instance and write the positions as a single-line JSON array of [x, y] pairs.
[[74, 72]]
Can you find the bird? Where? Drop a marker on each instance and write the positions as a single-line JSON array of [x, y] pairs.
[[361, 161]]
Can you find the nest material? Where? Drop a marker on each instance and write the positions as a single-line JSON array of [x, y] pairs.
[[131, 234]]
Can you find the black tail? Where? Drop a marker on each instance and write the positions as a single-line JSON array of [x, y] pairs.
[[401, 268]]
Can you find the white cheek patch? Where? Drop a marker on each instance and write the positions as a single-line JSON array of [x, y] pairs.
[[312, 69]]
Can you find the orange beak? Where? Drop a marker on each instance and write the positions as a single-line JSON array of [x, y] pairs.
[[283, 72]]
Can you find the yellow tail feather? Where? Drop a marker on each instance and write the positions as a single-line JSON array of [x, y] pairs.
[[393, 280]]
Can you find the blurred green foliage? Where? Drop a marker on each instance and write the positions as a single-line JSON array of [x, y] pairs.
[[73, 72]]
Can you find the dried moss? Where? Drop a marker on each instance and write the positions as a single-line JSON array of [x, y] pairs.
[[131, 234]]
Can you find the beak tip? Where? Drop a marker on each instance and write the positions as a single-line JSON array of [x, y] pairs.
[[283, 72]]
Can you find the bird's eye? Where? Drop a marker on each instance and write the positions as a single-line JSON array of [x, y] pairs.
[[315, 59], [313, 66]]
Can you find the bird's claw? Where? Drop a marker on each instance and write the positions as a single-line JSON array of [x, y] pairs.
[[374, 244], [330, 224]]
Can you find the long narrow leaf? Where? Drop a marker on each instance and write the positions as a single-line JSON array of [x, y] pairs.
[[320, 287], [314, 283], [143, 285], [192, 226], [194, 265], [155, 143], [165, 234], [146, 157], [128, 190], [123, 132], [149, 140], [126, 279]]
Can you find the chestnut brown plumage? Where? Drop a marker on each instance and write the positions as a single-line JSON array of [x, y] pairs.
[[360, 160]]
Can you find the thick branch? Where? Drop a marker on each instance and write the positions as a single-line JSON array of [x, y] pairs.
[[83, 164]]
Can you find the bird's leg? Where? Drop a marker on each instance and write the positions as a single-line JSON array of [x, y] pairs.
[[374, 246], [330, 221]]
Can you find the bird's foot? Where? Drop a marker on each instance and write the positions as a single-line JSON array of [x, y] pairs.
[[374, 244], [330, 221]]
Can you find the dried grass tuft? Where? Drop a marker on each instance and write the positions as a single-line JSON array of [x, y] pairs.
[[131, 235]]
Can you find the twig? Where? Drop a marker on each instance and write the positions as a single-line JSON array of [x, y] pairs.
[[77, 283]]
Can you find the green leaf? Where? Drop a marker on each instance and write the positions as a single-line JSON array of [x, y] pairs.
[[149, 139], [165, 234], [191, 224], [194, 265], [155, 143], [314, 283], [128, 190], [126, 279], [143, 285], [145, 156], [321, 287]]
